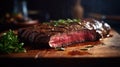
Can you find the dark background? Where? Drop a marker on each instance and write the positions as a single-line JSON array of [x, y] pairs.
[[107, 7]]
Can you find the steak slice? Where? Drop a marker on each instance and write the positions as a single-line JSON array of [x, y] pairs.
[[48, 35], [63, 39], [58, 39]]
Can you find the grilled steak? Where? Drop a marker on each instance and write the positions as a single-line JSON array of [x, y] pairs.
[[59, 34], [61, 40]]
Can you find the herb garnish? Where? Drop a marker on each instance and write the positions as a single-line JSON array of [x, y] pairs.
[[60, 49], [65, 21], [9, 43]]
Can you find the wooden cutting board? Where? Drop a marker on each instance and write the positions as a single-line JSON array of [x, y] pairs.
[[107, 47]]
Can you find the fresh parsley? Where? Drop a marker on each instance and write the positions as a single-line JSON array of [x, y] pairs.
[[9, 43], [65, 21]]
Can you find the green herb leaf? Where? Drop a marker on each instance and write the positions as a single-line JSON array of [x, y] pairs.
[[84, 49], [89, 46], [65, 21], [9, 43], [59, 48]]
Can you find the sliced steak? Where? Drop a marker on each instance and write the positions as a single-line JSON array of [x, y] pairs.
[[63, 39], [48, 35]]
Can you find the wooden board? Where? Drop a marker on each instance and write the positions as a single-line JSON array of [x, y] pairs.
[[107, 47]]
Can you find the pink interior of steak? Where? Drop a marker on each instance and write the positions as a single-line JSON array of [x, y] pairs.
[[65, 39]]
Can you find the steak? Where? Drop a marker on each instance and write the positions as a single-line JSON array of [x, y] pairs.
[[61, 40], [62, 34]]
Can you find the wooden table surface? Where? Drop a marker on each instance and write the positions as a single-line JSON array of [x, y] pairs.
[[107, 47], [105, 52]]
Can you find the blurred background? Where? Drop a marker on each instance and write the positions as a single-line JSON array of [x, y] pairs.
[[107, 7], [44, 10]]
